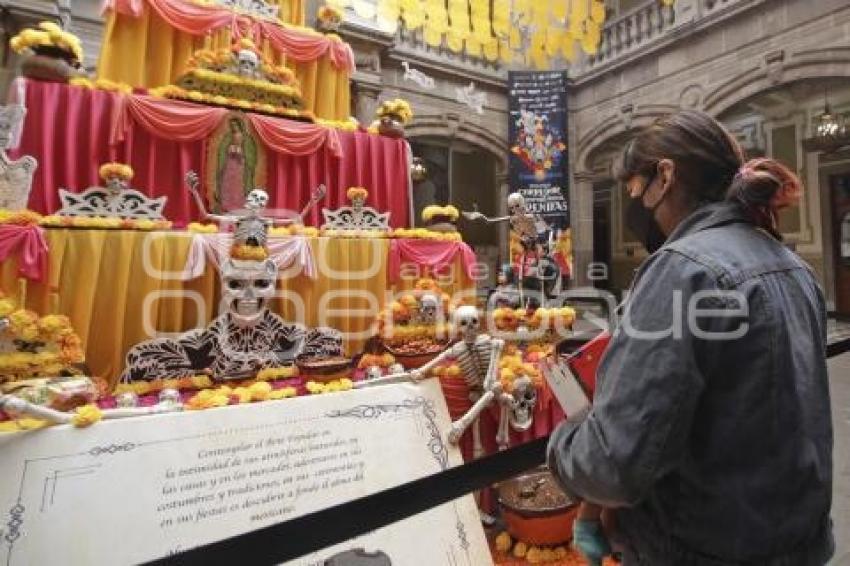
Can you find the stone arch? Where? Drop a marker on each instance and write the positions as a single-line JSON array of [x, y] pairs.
[[616, 127], [802, 65], [452, 127]]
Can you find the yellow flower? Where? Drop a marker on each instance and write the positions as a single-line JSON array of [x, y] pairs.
[[520, 549], [329, 14], [245, 252], [269, 374], [116, 170], [207, 399], [7, 307], [357, 192], [86, 415], [260, 391], [315, 388], [199, 228], [283, 393], [504, 542]]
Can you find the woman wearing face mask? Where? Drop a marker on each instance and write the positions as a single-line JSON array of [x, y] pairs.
[[710, 431]]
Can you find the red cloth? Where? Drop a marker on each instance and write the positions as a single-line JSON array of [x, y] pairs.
[[295, 138], [30, 247], [435, 254], [171, 119], [68, 129], [195, 19]]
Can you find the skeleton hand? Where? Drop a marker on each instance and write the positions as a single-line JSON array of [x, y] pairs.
[[473, 215], [192, 181], [417, 375], [455, 432]]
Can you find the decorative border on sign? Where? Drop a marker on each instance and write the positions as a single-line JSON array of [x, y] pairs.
[[435, 440]]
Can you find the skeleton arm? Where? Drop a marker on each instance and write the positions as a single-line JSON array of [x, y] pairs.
[[478, 216], [415, 375], [15, 405], [192, 182], [317, 195]]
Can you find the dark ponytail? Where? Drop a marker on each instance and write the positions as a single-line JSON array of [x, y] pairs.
[[763, 187]]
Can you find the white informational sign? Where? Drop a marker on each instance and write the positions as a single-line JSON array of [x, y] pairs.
[[129, 491]]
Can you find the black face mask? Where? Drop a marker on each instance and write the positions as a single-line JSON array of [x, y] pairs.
[[641, 221]]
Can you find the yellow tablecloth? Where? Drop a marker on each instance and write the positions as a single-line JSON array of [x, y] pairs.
[[118, 287]]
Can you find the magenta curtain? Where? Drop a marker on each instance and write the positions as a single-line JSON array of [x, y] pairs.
[[68, 129]]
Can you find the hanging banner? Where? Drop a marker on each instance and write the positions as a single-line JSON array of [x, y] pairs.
[[538, 165]]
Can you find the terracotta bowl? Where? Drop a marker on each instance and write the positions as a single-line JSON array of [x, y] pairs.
[[414, 360], [536, 510], [324, 370]]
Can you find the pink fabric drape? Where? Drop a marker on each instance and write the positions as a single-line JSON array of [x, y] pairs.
[[69, 130], [30, 247], [284, 252], [296, 43], [295, 138], [430, 253], [171, 119]]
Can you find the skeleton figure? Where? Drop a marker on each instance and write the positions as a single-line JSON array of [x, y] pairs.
[[17, 408], [248, 64], [529, 227], [477, 354], [245, 339], [428, 306], [253, 225]]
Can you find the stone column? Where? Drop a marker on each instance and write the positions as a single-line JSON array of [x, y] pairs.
[[581, 216], [366, 101]]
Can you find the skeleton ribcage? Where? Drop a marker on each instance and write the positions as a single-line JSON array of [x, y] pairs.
[[474, 362]]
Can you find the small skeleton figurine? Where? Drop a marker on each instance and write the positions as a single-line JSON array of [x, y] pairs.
[[477, 354], [248, 64], [252, 227], [429, 305]]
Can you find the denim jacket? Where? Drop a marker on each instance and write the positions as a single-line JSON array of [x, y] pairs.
[[711, 428]]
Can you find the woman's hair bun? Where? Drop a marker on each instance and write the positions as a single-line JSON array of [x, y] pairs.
[[764, 187]]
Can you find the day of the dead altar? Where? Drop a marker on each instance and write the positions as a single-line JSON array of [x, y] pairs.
[[198, 243]]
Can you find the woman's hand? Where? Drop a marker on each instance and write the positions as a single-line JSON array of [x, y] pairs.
[[590, 540]]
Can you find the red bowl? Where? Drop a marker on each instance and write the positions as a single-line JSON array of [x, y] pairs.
[[536, 510]]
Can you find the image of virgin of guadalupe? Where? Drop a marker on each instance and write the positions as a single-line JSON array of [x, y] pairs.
[[236, 164]]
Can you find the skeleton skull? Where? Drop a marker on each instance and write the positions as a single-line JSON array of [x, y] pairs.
[[396, 368], [428, 305], [170, 397], [247, 288], [257, 200], [522, 406], [373, 372], [127, 399], [116, 184], [248, 63], [516, 204], [467, 322]]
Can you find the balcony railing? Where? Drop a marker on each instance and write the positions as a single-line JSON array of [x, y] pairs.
[[641, 29]]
